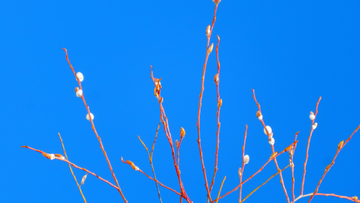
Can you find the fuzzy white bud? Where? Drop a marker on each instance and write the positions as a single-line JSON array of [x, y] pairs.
[[79, 93], [88, 117], [269, 130], [80, 76], [312, 116], [314, 126], [272, 141], [246, 159], [52, 156]]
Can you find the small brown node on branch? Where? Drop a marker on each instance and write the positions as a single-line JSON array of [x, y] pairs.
[[59, 156], [216, 78]]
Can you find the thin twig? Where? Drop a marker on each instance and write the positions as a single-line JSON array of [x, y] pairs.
[[243, 164], [94, 129], [72, 164], [308, 146], [150, 158], [291, 152], [200, 99], [339, 148], [165, 123], [219, 102], [354, 198], [220, 189], [272, 157], [138, 169], [263, 183], [71, 168], [273, 151]]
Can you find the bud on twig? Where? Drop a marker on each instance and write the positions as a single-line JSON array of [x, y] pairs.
[[271, 141], [239, 172], [88, 117], [340, 145], [208, 31], [246, 159], [78, 92], [80, 76], [312, 116], [216, 78], [273, 155], [210, 48], [216, 1], [259, 115], [182, 132], [268, 129], [83, 179], [314, 126], [220, 103]]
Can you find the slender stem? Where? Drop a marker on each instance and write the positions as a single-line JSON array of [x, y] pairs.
[[308, 146], [219, 102], [72, 164], [339, 148], [273, 151], [150, 159], [291, 152], [222, 183], [94, 129], [71, 168], [200, 99], [243, 164], [354, 199]]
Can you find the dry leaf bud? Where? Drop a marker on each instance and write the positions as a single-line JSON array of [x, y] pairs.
[[288, 148], [312, 116], [272, 141], [355, 198], [246, 159], [176, 143], [78, 92], [133, 166], [216, 78], [314, 126], [49, 156], [268, 129], [88, 117], [220, 103], [208, 31], [273, 155], [210, 48], [83, 179], [59, 156], [182, 132], [340, 145], [259, 115], [80, 76]]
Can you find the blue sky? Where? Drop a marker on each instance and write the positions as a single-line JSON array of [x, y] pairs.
[[289, 52]]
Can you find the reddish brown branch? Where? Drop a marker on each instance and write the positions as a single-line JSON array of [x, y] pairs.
[[94, 129], [243, 164], [208, 51], [273, 150], [339, 148], [72, 164], [291, 152], [308, 146], [165, 123], [219, 103]]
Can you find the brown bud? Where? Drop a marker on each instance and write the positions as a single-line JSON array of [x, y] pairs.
[[259, 115], [220, 103], [216, 78], [182, 132], [273, 155], [210, 48], [340, 145]]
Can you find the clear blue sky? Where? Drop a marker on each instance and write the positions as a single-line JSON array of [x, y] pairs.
[[289, 52]]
